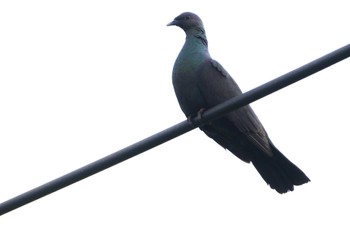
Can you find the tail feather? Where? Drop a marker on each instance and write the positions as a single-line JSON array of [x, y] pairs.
[[277, 171], [280, 173]]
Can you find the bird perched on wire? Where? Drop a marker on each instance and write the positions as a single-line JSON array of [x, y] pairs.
[[201, 83]]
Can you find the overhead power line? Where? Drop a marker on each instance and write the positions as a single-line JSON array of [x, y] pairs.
[[176, 130]]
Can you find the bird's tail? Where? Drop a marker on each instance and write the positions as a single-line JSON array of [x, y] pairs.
[[280, 173]]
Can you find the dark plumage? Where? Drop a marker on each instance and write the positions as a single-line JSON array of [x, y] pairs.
[[201, 83]]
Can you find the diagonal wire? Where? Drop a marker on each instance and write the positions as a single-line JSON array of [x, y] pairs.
[[176, 130]]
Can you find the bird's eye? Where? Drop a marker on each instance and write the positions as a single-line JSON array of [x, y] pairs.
[[187, 17]]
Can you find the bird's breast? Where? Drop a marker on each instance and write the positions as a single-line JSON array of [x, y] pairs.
[[185, 82]]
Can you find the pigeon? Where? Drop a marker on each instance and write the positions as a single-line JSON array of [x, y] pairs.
[[200, 83]]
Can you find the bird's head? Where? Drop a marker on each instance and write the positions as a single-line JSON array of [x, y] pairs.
[[186, 21]]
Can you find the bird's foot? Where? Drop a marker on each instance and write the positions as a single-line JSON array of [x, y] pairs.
[[189, 119], [200, 113], [199, 116]]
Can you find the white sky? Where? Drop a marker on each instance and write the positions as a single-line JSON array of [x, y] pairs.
[[82, 79]]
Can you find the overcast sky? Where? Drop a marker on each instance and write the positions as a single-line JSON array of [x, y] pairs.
[[82, 79]]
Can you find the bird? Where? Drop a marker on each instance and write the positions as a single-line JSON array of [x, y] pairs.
[[200, 83]]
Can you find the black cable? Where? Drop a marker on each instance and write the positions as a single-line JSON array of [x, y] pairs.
[[176, 130]]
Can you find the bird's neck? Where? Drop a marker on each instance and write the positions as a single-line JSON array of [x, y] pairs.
[[194, 51], [196, 36]]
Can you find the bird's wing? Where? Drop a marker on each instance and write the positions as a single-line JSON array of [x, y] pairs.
[[217, 86]]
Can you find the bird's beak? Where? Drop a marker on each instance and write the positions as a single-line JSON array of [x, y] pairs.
[[174, 22]]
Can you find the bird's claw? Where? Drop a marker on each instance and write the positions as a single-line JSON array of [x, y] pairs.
[[199, 115], [189, 119]]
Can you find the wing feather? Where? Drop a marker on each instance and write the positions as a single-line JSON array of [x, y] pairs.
[[217, 86]]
